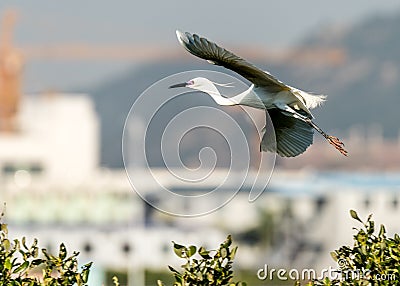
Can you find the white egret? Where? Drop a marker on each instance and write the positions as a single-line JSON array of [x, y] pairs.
[[288, 107]]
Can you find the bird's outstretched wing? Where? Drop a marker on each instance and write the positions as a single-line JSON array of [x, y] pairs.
[[292, 136], [211, 52]]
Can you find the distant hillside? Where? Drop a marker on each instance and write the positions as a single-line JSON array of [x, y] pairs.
[[363, 90]]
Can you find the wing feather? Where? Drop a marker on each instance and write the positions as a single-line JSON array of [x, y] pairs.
[[292, 135], [204, 49]]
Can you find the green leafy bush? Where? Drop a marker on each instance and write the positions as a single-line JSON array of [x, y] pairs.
[[21, 264], [208, 267], [374, 258]]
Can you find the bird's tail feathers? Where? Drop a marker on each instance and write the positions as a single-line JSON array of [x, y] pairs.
[[313, 100]]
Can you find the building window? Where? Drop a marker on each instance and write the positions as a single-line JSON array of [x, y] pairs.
[[395, 202], [35, 168], [367, 202], [126, 248], [9, 168]]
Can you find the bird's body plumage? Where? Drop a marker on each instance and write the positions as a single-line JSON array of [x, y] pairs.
[[288, 107]]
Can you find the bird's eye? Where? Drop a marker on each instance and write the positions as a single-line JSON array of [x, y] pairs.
[[190, 82]]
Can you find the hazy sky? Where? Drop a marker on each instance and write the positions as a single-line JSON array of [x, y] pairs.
[[265, 23]]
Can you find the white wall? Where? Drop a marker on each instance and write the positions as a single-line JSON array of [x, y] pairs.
[[57, 132]]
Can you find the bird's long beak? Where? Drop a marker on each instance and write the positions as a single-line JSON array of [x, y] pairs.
[[183, 84]]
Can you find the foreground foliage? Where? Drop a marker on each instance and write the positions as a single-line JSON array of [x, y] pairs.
[[23, 264], [374, 258], [208, 267]]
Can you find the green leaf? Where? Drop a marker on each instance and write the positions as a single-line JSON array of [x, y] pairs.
[[334, 255], [224, 252], [382, 230], [62, 252], [354, 215], [24, 243], [7, 245], [179, 250], [22, 267], [371, 228], [204, 253], [35, 252], [227, 242], [186, 265], [17, 244], [7, 264], [85, 272], [46, 254], [4, 228], [191, 250], [173, 269], [37, 262], [233, 253], [115, 280]]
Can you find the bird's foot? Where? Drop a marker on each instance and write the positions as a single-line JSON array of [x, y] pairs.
[[339, 145]]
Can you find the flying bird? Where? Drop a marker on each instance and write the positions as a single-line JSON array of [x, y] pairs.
[[288, 107]]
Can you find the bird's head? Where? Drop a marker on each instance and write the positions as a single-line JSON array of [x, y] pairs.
[[199, 83]]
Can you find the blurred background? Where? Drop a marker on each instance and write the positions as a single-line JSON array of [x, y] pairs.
[[70, 72]]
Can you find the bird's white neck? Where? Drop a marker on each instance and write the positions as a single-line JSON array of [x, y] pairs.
[[248, 97]]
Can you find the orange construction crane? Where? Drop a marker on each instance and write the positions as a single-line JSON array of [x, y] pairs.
[[10, 75]]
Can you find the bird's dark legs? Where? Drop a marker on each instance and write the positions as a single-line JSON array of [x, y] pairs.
[[333, 140]]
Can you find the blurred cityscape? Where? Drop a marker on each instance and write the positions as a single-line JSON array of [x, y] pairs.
[[63, 180]]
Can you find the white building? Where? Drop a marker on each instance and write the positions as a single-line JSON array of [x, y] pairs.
[[56, 137]]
